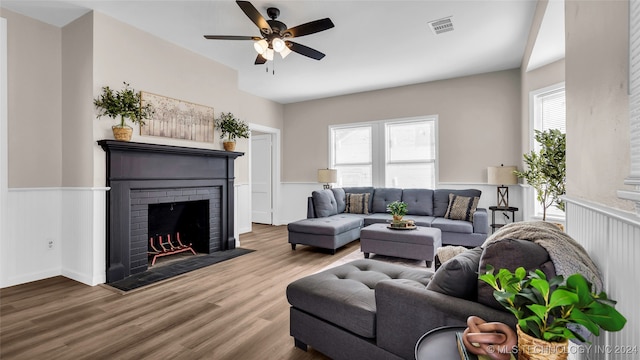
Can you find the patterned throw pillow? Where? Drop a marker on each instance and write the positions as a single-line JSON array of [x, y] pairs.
[[461, 207], [357, 203]]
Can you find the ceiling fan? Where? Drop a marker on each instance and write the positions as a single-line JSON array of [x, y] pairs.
[[275, 34]]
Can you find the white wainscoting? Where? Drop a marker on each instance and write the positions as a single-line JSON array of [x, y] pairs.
[[54, 231], [612, 239]]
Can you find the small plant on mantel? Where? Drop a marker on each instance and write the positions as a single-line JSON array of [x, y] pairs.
[[231, 128], [126, 104]]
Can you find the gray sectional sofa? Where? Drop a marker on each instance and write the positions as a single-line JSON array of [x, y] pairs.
[[330, 224]]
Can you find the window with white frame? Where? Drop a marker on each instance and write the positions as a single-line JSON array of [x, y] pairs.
[[393, 153], [549, 112]]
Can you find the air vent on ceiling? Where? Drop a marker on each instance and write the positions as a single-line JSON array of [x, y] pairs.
[[441, 25]]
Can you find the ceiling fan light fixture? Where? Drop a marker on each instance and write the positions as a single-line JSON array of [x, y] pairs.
[[268, 54], [278, 45], [261, 46], [286, 51]]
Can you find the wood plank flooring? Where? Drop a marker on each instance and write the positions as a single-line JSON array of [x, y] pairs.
[[236, 309]]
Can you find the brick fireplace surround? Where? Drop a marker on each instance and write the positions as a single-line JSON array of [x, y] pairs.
[[142, 174]]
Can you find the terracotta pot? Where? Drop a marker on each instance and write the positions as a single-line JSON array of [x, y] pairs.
[[122, 133], [229, 145], [531, 348]]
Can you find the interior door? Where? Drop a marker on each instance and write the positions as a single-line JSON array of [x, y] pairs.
[[261, 187]]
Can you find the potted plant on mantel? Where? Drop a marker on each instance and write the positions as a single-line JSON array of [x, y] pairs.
[[547, 171], [551, 312], [231, 128], [125, 104]]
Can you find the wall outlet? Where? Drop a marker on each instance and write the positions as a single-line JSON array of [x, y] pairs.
[[50, 244]]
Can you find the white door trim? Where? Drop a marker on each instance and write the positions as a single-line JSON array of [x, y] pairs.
[[275, 164], [3, 136]]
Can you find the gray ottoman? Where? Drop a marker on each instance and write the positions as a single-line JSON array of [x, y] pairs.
[[419, 244], [343, 298]]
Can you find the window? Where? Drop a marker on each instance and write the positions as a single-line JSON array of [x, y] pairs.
[[549, 112], [398, 153]]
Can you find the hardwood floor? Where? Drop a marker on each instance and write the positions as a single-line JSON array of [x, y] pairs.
[[236, 309]]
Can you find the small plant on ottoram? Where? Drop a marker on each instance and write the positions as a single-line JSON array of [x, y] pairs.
[[231, 127], [125, 103], [549, 309], [397, 208]]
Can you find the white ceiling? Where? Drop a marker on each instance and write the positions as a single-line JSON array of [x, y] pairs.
[[374, 45]]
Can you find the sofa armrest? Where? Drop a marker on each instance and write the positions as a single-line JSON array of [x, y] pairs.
[[404, 313], [481, 221], [311, 210]]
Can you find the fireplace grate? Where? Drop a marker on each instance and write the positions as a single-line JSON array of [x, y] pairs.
[[167, 248]]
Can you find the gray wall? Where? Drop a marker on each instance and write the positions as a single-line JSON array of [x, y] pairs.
[[478, 125]]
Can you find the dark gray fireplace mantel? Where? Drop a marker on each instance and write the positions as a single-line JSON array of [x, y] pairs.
[[139, 166]]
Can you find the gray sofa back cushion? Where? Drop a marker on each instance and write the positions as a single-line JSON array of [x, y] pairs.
[[361, 190], [441, 199], [339, 194], [419, 201], [383, 197], [324, 203], [509, 254]]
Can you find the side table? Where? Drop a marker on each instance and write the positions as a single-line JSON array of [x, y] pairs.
[[493, 209], [439, 344]]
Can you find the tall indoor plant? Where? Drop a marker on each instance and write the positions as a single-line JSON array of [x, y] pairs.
[[551, 312], [231, 128], [126, 104], [546, 171]]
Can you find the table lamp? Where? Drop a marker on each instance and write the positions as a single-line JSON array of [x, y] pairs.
[[502, 175], [327, 176]]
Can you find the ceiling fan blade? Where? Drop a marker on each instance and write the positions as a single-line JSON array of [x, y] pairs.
[[260, 60], [255, 16], [304, 50], [231, 37], [310, 27]]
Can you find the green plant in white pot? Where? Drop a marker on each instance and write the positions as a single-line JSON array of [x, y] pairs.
[[125, 104], [231, 128], [547, 171]]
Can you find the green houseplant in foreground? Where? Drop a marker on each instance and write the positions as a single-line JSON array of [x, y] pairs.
[[125, 104], [231, 128], [551, 310], [547, 171], [398, 209]]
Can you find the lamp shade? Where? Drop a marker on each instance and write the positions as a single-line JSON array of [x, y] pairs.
[[501, 175], [327, 176]]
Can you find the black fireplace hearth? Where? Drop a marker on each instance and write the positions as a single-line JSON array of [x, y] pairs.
[[148, 181]]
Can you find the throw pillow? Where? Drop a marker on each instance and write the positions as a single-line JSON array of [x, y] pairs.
[[324, 203], [357, 203], [458, 276], [461, 207]]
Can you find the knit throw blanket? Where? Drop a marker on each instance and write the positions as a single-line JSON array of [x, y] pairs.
[[567, 255]]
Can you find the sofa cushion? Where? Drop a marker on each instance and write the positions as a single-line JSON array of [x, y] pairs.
[[361, 190], [332, 225], [441, 199], [459, 275], [357, 203], [383, 197], [461, 207], [420, 220], [377, 218], [324, 203], [419, 201], [452, 226], [338, 193], [508, 254]]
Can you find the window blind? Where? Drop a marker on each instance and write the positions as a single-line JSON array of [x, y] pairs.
[[634, 86]]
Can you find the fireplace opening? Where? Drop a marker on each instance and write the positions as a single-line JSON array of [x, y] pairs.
[[179, 225]]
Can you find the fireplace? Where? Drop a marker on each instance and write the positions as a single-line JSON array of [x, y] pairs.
[[160, 190]]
